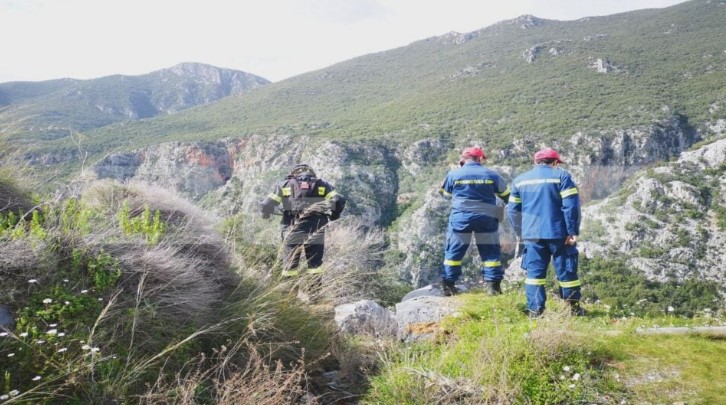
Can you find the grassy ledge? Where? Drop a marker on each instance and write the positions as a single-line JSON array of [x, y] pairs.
[[492, 353]]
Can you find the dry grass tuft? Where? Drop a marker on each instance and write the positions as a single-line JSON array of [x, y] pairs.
[[353, 252], [174, 209], [554, 334], [445, 389], [236, 375]]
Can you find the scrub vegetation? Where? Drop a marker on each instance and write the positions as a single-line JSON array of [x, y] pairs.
[[123, 293]]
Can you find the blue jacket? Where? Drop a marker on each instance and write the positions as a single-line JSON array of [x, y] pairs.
[[544, 204], [473, 189]]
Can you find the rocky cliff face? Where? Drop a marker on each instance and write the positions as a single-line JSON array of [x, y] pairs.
[[232, 175], [669, 221]]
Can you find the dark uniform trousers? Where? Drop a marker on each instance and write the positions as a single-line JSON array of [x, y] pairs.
[[304, 236]]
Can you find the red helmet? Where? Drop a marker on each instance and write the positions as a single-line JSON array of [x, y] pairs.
[[547, 153], [472, 152]]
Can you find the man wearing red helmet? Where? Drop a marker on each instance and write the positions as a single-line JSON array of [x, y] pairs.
[[544, 210], [473, 189]]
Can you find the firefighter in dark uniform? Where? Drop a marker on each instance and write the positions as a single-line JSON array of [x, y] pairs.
[[308, 204]]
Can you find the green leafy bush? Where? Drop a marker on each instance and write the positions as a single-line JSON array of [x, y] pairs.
[[628, 292]]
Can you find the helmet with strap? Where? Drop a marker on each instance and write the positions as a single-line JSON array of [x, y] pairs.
[[301, 170]]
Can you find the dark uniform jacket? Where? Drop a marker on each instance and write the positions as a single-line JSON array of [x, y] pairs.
[[325, 202]]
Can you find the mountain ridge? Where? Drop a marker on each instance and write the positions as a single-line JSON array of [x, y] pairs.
[[56, 108]]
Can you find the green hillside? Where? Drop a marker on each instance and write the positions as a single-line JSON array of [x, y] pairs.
[[664, 63]]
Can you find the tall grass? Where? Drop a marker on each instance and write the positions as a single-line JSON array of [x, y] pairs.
[[106, 313]]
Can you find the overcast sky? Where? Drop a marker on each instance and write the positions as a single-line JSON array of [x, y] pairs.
[[275, 39]]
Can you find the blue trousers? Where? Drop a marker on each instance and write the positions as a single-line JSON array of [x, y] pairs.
[[459, 233], [536, 259]]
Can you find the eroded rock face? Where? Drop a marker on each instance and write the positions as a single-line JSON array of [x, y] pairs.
[[191, 169], [231, 176], [665, 220]]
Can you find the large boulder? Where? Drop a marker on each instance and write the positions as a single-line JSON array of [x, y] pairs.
[[420, 312], [365, 317]]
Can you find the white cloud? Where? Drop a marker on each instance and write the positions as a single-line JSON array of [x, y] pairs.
[[46, 39]]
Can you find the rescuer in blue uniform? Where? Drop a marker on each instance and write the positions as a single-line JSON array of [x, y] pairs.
[[473, 189], [544, 210]]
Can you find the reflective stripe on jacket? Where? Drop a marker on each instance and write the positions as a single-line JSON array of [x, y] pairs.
[[473, 189], [544, 204], [282, 194]]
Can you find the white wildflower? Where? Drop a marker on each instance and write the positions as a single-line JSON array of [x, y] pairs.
[[40, 341], [11, 354], [53, 325], [95, 350], [671, 309], [52, 332], [84, 291], [566, 368], [3, 334], [85, 347], [4, 397], [576, 377], [32, 281], [572, 386], [65, 280], [61, 350], [47, 301], [100, 299], [36, 378], [24, 334], [62, 334], [66, 303], [562, 377], [14, 393]]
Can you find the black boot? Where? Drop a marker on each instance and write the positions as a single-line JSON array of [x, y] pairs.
[[494, 287], [449, 288], [576, 309]]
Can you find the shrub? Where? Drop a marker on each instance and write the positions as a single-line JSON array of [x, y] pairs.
[[102, 314]]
